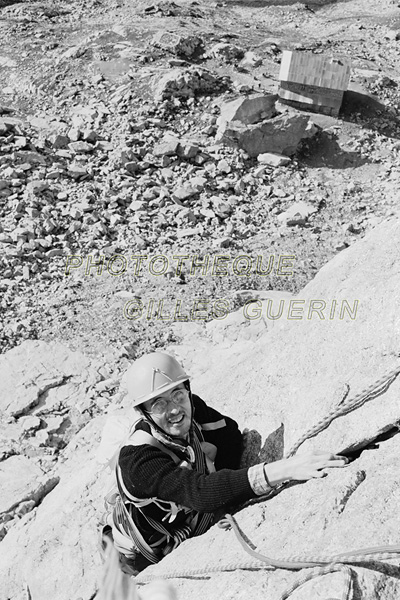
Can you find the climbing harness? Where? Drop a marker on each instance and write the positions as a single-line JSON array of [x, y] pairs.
[[374, 390], [128, 539]]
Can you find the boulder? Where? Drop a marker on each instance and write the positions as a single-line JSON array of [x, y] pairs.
[[188, 149], [251, 59], [3, 128], [78, 147], [273, 160], [184, 193], [167, 147], [59, 141], [280, 135], [77, 171], [187, 83], [37, 187], [183, 46], [226, 52], [27, 156], [297, 214], [252, 109]]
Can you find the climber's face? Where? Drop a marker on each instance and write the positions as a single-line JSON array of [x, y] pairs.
[[171, 411]]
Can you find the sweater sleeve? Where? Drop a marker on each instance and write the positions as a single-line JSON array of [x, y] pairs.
[[148, 472], [220, 430]]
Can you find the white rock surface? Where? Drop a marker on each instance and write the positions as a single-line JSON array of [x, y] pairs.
[[18, 480], [37, 373]]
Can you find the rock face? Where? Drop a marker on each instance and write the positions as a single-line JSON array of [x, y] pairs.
[[290, 379], [278, 379], [23, 474], [34, 374], [47, 397], [54, 550]]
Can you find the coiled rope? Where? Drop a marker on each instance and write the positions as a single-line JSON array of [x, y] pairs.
[[372, 391]]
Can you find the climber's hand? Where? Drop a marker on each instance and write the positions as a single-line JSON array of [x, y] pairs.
[[302, 467], [309, 466]]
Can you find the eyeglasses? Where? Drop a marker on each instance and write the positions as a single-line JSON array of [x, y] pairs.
[[160, 405]]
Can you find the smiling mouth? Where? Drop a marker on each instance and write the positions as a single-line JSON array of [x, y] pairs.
[[176, 420]]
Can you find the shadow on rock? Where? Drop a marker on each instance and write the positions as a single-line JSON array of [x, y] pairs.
[[272, 449], [369, 113], [381, 567], [324, 151]]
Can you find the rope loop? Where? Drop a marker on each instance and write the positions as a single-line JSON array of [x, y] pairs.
[[377, 388]]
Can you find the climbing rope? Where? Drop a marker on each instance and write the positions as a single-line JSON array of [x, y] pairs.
[[255, 566], [296, 563], [314, 573], [375, 389], [249, 565], [262, 562], [325, 565]]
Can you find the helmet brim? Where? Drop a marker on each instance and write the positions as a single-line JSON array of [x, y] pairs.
[[160, 390]]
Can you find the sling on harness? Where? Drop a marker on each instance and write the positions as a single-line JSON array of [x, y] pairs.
[[124, 508]]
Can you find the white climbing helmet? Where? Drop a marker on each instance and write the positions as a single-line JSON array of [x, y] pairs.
[[153, 374]]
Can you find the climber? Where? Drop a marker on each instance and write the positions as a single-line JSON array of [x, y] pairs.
[[179, 468]]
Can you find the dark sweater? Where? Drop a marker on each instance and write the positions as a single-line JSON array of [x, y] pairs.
[[151, 473]]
